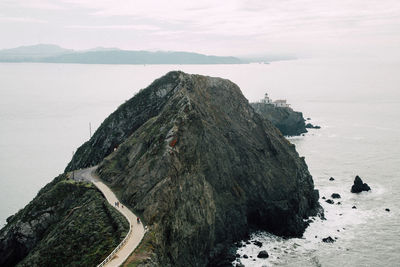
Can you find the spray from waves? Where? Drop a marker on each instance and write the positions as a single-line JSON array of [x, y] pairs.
[[339, 224]]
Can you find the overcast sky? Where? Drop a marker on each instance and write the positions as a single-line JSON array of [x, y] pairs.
[[229, 27]]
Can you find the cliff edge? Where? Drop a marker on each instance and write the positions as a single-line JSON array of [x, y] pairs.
[[289, 122]]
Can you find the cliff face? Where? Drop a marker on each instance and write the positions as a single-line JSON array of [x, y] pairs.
[[66, 224], [202, 168], [289, 122], [123, 122]]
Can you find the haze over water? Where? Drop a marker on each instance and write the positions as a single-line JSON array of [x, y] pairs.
[[45, 110]]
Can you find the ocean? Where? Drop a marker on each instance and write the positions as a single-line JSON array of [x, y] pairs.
[[45, 111]]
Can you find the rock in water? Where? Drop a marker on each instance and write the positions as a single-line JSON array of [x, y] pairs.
[[201, 167], [311, 126], [263, 254], [331, 179], [335, 195], [257, 243], [330, 201], [328, 239], [359, 186]]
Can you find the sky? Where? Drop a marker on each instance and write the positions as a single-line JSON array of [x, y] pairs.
[[228, 27]]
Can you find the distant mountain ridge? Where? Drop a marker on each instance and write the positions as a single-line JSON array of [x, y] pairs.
[[55, 54], [32, 52]]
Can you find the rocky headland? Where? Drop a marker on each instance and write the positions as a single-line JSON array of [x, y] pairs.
[[193, 159], [288, 121], [201, 168]]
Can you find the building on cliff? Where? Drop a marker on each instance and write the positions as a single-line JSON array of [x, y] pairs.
[[266, 99], [280, 103]]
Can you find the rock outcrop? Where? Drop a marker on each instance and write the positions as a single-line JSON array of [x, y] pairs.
[[66, 224], [328, 240], [359, 186], [201, 167], [311, 126], [263, 254], [289, 122]]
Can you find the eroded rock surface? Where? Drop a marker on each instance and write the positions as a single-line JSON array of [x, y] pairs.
[[204, 169]]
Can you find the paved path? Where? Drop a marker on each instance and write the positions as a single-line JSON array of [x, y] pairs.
[[137, 228]]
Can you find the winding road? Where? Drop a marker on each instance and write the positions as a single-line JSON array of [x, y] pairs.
[[137, 229]]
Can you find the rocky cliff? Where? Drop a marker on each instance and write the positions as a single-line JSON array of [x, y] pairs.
[[66, 224], [289, 122], [123, 122], [201, 167]]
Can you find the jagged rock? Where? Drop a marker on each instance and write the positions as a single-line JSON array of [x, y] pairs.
[[354, 207], [201, 168], [330, 201], [387, 210], [263, 254], [310, 126], [323, 197], [331, 179], [328, 239], [289, 122], [257, 243], [359, 186], [335, 195]]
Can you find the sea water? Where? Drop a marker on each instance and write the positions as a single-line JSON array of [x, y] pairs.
[[45, 111]]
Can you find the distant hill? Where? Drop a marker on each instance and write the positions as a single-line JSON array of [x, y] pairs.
[[32, 53], [55, 54]]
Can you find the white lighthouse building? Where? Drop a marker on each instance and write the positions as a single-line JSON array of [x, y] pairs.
[[280, 103], [266, 99]]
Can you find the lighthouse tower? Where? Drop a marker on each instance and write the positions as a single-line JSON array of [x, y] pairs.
[[266, 99]]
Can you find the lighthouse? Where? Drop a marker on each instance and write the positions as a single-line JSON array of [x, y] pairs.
[[266, 99]]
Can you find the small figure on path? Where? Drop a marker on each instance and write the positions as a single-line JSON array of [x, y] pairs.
[[138, 220]]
